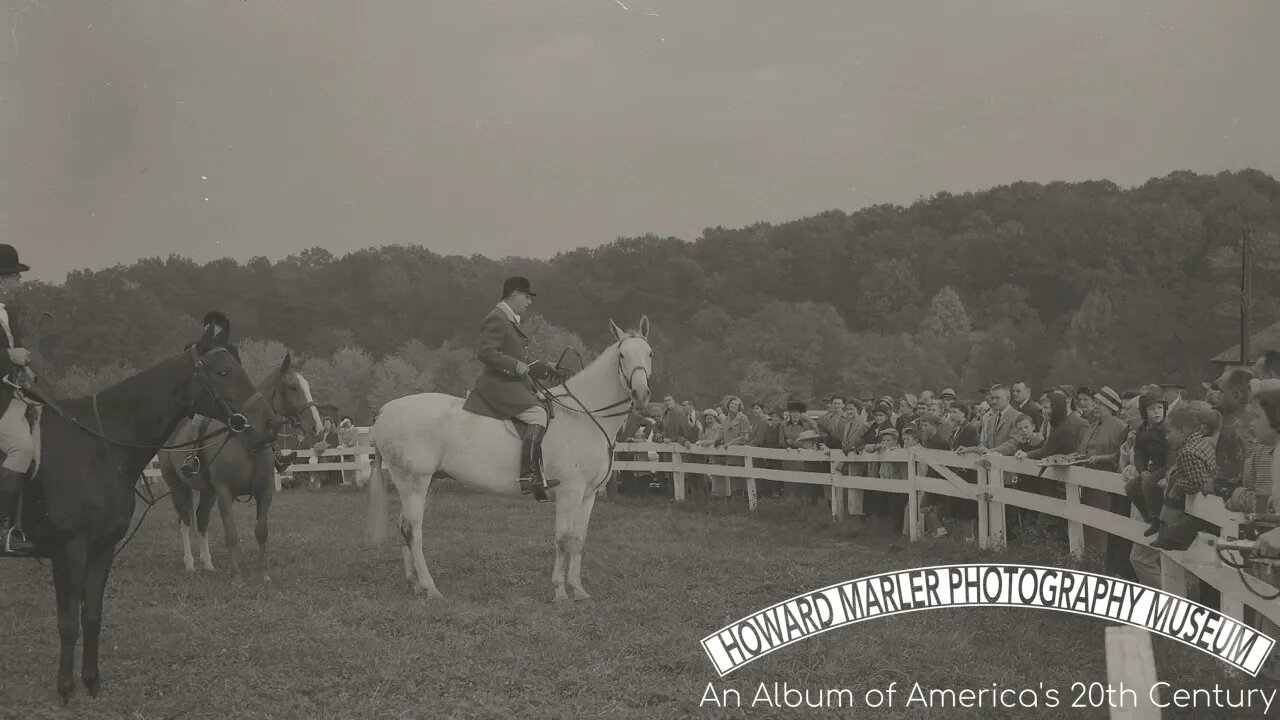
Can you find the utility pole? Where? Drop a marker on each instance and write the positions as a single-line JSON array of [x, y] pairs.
[[1246, 292]]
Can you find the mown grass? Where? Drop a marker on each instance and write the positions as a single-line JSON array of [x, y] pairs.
[[338, 634]]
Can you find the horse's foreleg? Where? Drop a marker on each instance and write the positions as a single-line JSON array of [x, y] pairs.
[[260, 530], [68, 583], [567, 502], [229, 529], [95, 584], [579, 536], [204, 508], [181, 495], [413, 507]]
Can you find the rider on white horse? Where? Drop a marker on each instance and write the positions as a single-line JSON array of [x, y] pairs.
[[504, 389]]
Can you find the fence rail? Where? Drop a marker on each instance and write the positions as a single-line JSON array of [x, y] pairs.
[[987, 480]]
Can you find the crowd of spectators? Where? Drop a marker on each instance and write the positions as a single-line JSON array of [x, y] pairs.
[[1163, 445]]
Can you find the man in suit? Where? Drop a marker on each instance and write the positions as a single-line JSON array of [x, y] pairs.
[[504, 389], [997, 426], [15, 430], [1023, 403]]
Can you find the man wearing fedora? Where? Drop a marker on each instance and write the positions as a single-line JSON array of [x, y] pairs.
[[504, 389], [15, 431]]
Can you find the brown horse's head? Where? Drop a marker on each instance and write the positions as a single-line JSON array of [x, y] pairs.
[[290, 394]]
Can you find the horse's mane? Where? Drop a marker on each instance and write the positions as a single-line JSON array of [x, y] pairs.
[[613, 346]]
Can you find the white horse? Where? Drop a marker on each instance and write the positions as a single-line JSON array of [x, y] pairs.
[[420, 435]]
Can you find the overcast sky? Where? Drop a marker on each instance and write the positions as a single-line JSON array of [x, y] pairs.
[[214, 129]]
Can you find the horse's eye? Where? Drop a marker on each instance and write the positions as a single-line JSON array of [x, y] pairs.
[[223, 373]]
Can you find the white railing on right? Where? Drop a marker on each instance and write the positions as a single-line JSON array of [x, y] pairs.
[[990, 481]]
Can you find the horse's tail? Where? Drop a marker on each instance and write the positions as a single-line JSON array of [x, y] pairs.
[[377, 502]]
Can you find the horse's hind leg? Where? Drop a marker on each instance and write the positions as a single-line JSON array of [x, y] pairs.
[[229, 529], [413, 507], [204, 508]]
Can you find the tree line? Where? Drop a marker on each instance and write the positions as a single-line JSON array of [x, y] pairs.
[[1086, 283]]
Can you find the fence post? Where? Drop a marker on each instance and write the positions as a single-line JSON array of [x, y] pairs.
[[996, 513], [748, 462], [984, 507], [837, 493], [913, 499], [1131, 664], [1075, 530], [677, 476]]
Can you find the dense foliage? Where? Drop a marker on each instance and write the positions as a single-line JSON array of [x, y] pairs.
[[1066, 282]]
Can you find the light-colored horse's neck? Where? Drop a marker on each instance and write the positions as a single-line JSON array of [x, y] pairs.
[[598, 387]]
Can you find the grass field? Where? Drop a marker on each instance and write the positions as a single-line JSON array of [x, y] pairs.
[[337, 634]]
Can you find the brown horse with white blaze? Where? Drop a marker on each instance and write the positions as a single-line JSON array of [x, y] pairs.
[[234, 469]]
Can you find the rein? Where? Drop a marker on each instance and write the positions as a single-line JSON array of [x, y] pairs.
[[629, 402], [237, 423], [1240, 568]]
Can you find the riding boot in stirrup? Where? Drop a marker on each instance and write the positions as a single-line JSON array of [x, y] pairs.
[[11, 538], [190, 466], [531, 461]]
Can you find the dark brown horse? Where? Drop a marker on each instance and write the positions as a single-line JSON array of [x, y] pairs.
[[235, 469], [80, 501]]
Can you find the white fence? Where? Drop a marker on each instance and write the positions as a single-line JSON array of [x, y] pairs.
[[355, 459], [992, 486]]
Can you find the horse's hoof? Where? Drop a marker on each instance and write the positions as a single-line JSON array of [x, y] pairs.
[[560, 598], [210, 568], [66, 690], [266, 578], [580, 595], [434, 596], [93, 685]]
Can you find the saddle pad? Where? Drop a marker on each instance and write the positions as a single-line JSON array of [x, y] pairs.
[[511, 428]]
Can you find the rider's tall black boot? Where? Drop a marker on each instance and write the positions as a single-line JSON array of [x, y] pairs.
[[531, 460], [11, 539]]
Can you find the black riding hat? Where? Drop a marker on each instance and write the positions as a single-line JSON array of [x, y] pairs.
[[517, 284], [9, 264]]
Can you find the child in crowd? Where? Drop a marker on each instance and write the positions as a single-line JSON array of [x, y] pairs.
[[1194, 466], [1150, 453]]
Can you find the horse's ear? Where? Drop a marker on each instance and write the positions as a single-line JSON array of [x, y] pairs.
[[287, 362], [644, 327], [617, 331]]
